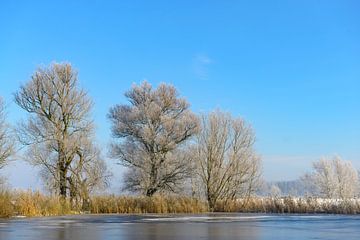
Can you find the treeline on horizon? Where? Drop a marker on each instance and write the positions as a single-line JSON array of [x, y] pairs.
[[173, 157]]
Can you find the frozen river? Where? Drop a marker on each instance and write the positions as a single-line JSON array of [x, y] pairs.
[[210, 226]]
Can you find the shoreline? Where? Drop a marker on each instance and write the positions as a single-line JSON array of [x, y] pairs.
[[197, 217]]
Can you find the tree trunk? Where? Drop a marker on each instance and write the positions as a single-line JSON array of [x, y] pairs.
[[85, 198], [151, 191], [153, 182], [62, 181], [211, 203]]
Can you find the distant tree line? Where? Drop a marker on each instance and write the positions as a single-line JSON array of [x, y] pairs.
[[330, 178], [165, 147], [333, 178]]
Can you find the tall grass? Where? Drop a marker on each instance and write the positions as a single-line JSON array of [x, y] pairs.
[[36, 204], [29, 203], [291, 205], [156, 204]]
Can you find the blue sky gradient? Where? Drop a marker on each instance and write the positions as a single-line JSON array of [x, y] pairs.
[[290, 68]]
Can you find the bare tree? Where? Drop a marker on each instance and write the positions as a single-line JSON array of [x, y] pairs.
[[88, 172], [333, 178], [59, 121], [227, 165], [6, 140], [152, 131]]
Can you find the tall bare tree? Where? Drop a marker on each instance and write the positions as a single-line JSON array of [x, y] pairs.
[[59, 121], [226, 163], [152, 131], [333, 178], [6, 140]]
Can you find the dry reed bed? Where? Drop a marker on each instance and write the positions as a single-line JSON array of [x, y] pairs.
[[156, 204], [304, 205], [28, 203]]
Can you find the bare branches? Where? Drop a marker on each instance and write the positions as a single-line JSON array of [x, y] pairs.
[[57, 106], [88, 172], [152, 129], [227, 166], [59, 128], [333, 178], [6, 140]]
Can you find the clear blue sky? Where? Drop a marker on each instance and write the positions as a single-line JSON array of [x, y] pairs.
[[290, 68]]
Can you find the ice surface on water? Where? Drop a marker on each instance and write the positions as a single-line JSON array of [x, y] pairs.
[[183, 227], [204, 219]]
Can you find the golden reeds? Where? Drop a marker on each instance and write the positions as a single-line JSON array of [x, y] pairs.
[[29, 203]]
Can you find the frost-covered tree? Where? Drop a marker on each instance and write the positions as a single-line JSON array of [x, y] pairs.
[[151, 132], [333, 178], [59, 130], [6, 140], [227, 166]]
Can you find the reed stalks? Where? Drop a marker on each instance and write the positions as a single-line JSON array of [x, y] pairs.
[[29, 203]]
